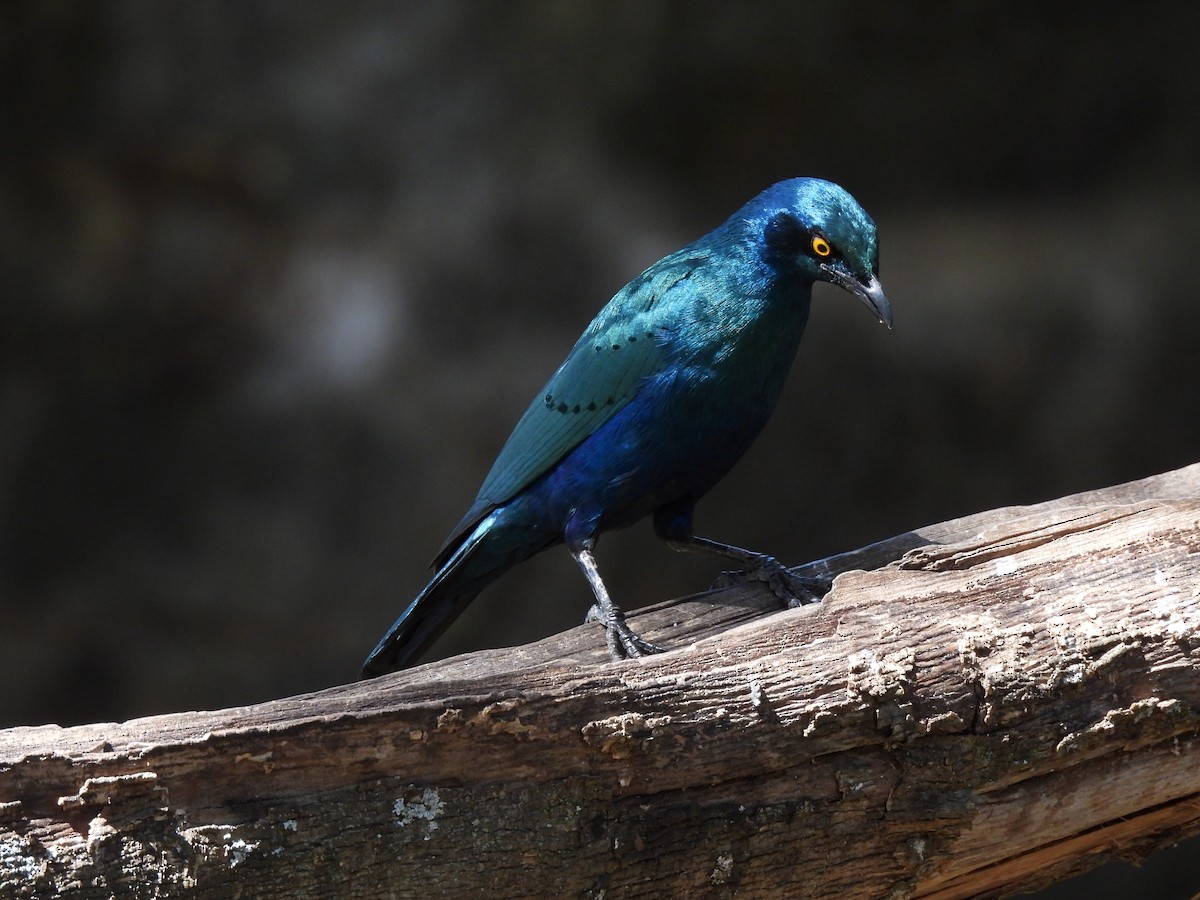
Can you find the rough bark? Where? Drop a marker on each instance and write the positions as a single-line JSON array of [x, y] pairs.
[[977, 707]]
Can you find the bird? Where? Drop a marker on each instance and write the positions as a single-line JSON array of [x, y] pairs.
[[660, 396]]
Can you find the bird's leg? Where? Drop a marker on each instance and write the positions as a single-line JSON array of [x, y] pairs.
[[674, 526], [791, 589], [622, 642]]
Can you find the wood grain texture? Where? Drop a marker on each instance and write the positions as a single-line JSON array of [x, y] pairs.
[[977, 707]]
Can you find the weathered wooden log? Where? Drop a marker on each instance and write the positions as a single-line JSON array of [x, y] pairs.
[[977, 707]]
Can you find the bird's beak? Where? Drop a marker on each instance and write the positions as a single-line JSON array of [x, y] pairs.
[[870, 293]]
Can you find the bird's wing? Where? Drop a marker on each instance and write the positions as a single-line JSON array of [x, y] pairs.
[[624, 345]]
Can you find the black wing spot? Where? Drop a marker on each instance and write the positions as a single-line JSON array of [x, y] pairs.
[[616, 346], [549, 399], [591, 407], [576, 408], [610, 401], [562, 407], [632, 339], [599, 347]]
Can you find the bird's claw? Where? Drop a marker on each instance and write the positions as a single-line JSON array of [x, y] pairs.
[[791, 589], [623, 642]]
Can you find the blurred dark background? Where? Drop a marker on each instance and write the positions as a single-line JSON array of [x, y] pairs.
[[278, 279]]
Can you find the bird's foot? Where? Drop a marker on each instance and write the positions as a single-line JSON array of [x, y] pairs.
[[623, 642], [791, 589]]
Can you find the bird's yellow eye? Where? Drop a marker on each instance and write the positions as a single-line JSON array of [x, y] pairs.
[[821, 246]]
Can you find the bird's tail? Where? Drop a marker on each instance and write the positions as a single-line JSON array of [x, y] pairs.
[[482, 557]]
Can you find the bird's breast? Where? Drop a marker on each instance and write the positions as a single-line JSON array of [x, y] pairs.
[[741, 354]]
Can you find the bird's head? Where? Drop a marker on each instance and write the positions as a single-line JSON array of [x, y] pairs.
[[815, 230]]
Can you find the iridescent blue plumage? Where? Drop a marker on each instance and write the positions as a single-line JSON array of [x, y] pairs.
[[661, 395]]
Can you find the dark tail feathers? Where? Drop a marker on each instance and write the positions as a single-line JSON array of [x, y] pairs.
[[495, 545], [421, 623]]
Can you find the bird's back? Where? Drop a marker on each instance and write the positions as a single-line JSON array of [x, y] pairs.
[[700, 343]]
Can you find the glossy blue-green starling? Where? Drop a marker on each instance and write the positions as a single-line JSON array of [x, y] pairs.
[[660, 396]]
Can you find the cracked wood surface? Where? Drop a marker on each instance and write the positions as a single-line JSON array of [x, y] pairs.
[[978, 707]]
